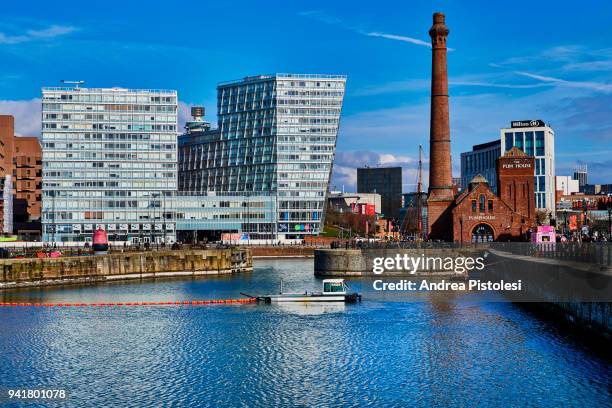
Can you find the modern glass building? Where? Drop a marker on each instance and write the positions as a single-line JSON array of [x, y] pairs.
[[482, 159], [276, 135], [537, 139], [109, 160], [386, 181]]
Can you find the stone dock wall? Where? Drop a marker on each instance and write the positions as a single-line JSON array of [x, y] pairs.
[[128, 265], [360, 262], [576, 293]]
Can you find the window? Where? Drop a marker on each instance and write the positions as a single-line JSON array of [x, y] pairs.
[[518, 140], [529, 143], [539, 143], [508, 143], [490, 205], [482, 203], [473, 206]]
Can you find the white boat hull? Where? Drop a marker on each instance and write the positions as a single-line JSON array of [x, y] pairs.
[[286, 298]]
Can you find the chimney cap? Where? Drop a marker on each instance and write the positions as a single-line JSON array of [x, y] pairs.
[[438, 17]]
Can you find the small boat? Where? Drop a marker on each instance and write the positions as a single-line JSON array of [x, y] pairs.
[[334, 290]]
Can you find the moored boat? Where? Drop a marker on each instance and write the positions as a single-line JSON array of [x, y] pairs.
[[334, 290]]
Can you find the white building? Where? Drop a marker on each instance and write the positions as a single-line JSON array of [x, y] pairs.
[[342, 202], [537, 139], [109, 160], [567, 184]]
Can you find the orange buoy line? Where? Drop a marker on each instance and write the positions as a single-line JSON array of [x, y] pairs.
[[169, 303]]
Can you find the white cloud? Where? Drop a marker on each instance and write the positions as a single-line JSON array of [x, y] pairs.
[[27, 115], [33, 35], [481, 81], [402, 38], [596, 86], [332, 20]]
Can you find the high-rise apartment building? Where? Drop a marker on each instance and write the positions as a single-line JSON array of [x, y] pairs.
[[582, 176], [535, 138], [110, 161], [276, 135], [386, 181]]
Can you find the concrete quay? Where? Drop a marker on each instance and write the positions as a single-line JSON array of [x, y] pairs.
[[30, 272]]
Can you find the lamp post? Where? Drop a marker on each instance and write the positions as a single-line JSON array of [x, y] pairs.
[[609, 221]]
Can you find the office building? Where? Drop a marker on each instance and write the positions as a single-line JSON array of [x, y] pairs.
[[581, 175], [20, 175], [597, 189], [386, 181], [481, 160], [27, 187], [110, 161], [566, 185], [276, 136], [535, 138], [346, 202]]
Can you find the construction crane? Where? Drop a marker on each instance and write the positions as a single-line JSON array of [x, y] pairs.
[[77, 84]]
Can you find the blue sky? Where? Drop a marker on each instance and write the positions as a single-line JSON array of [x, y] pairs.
[[545, 60]]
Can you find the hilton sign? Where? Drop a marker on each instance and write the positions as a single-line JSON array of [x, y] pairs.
[[527, 123]]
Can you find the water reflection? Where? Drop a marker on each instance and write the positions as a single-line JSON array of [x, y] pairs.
[[310, 308], [445, 351]]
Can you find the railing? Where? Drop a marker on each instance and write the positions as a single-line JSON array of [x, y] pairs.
[[254, 78], [44, 251], [599, 253]]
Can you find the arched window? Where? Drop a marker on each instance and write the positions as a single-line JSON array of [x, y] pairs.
[[481, 204]]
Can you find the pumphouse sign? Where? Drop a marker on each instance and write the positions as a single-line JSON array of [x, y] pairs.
[[527, 123], [517, 164]]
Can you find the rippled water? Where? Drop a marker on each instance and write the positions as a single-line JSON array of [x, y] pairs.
[[436, 353]]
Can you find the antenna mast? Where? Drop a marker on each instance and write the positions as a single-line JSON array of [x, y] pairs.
[[77, 84]]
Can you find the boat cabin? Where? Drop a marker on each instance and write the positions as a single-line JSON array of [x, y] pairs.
[[335, 286]]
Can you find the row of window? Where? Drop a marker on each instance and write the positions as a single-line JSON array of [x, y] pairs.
[[482, 200], [59, 107], [49, 156], [108, 146], [73, 136], [525, 142], [101, 126], [107, 97]]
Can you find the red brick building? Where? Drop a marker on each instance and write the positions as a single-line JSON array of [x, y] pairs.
[[21, 166], [7, 132], [480, 215], [27, 178]]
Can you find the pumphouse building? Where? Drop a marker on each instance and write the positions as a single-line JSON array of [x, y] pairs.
[[478, 214]]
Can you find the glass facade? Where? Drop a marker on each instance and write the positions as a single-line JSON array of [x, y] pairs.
[[109, 160], [537, 142], [481, 160], [276, 134]]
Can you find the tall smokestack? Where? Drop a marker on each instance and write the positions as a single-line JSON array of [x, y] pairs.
[[440, 175]]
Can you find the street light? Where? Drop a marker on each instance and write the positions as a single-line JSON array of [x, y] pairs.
[[610, 221]]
